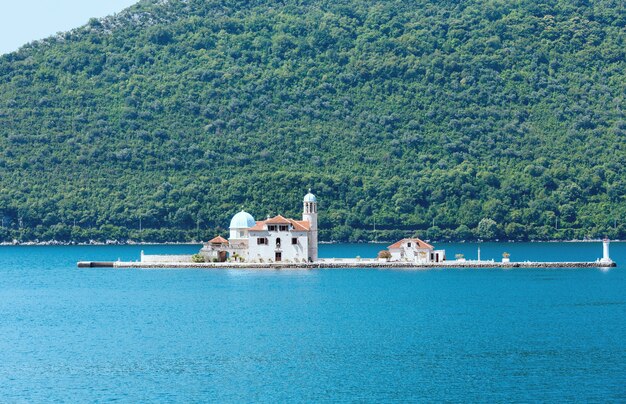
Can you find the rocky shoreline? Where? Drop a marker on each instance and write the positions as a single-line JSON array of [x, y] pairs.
[[90, 243], [131, 242], [345, 265]]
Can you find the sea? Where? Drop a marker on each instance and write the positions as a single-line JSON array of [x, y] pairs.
[[331, 335]]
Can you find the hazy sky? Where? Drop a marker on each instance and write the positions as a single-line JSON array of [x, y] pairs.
[[22, 21]]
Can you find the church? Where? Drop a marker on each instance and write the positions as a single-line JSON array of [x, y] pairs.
[[276, 239]]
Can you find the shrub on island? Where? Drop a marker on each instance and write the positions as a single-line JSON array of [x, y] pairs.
[[197, 258]]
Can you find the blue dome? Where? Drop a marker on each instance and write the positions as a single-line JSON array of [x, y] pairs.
[[310, 197], [242, 220]]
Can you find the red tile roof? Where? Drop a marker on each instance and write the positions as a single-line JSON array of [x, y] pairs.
[[304, 224], [218, 240], [417, 241], [258, 226], [298, 225], [277, 220]]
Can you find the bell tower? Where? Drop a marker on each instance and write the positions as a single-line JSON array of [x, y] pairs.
[[309, 214]]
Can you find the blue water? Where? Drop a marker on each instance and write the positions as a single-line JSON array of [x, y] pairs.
[[491, 335]]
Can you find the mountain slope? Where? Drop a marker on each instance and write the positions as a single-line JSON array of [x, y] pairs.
[[423, 117]]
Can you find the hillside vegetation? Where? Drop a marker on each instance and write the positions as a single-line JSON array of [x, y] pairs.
[[450, 120]]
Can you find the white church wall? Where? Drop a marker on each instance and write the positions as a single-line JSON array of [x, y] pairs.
[[289, 252]]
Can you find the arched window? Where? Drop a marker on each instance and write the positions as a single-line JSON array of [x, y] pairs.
[[278, 242]]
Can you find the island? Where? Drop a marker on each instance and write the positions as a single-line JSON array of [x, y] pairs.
[[283, 243]]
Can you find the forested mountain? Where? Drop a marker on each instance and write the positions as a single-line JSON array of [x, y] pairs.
[[446, 119]]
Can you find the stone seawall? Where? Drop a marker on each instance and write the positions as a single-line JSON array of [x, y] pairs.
[[349, 265], [152, 259]]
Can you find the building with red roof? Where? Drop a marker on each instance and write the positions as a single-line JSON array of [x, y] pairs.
[[415, 250], [276, 239]]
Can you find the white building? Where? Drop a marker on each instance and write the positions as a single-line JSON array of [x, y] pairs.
[[276, 239], [415, 250]]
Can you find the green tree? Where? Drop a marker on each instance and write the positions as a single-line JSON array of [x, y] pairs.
[[487, 229]]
